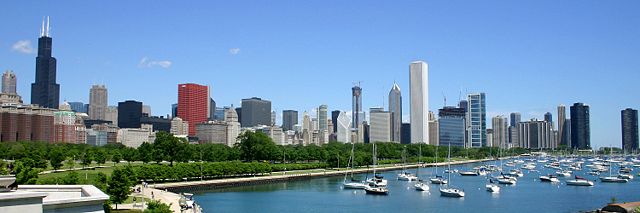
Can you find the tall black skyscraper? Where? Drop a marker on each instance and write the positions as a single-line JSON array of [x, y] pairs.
[[129, 114], [45, 91], [580, 131], [289, 119], [334, 120], [255, 111], [629, 130]]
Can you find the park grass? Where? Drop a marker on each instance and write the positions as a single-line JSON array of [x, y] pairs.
[[130, 199]]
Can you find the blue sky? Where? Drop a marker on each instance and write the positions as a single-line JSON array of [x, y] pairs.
[[527, 56]]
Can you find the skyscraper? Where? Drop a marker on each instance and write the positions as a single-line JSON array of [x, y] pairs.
[[193, 104], [9, 82], [356, 107], [419, 108], [395, 108], [476, 120], [289, 119], [174, 110], [78, 107], [322, 118], [515, 119], [212, 109], [45, 91], [536, 134], [629, 130], [334, 120], [255, 112], [451, 126], [562, 133], [129, 114], [580, 130], [98, 100], [343, 125], [500, 135], [548, 118], [380, 129]]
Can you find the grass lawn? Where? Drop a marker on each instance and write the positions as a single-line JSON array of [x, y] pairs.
[[138, 200]]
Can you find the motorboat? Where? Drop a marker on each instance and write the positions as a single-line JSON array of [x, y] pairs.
[[438, 180], [491, 187], [579, 181], [354, 184], [376, 190], [516, 172], [469, 173], [506, 180], [450, 171], [420, 186], [612, 179], [377, 180], [625, 176], [451, 192], [549, 178], [563, 173], [407, 176]]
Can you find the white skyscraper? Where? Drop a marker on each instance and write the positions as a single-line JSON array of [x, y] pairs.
[[380, 128], [419, 107], [343, 128]]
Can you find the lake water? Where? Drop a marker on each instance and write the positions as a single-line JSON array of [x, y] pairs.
[[326, 195]]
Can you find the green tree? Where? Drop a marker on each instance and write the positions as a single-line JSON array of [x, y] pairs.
[[71, 178], [101, 181], [256, 146], [25, 173], [119, 186], [100, 156], [86, 158], [56, 157], [157, 207], [116, 157], [130, 154], [168, 146], [146, 152]]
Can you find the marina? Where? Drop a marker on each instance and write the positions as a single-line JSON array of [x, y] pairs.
[[529, 194]]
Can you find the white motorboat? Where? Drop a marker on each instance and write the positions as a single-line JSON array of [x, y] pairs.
[[438, 180], [579, 181], [469, 173], [376, 190], [420, 186], [611, 179], [407, 176], [516, 172], [563, 173], [549, 178], [625, 176], [506, 180]]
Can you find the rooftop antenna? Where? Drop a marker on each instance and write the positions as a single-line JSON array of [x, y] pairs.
[[48, 29], [42, 28], [445, 99]]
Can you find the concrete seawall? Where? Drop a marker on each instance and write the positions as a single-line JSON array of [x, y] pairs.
[[191, 186]]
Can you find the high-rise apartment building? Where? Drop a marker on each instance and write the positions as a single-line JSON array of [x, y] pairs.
[[395, 108], [563, 137], [98, 101], [255, 112], [629, 119], [45, 92], [322, 118], [580, 128], [500, 132], [476, 120], [289, 119], [193, 104], [419, 107], [536, 134], [9, 82]]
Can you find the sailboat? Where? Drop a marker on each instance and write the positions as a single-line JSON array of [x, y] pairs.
[[611, 178], [448, 191], [437, 179], [504, 179], [492, 187], [420, 186], [377, 184], [404, 175], [352, 183]]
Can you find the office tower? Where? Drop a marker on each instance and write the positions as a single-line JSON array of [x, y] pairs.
[[463, 104], [562, 135], [98, 100], [45, 92], [434, 135], [238, 112], [549, 118], [289, 119], [273, 118], [500, 131], [255, 112], [212, 109], [111, 114], [380, 129], [129, 114], [452, 126], [77, 107], [193, 104], [419, 108], [9, 82], [395, 108], [629, 130], [334, 120], [536, 134], [174, 110], [515, 119], [356, 107], [476, 120], [343, 127], [580, 130], [322, 118]]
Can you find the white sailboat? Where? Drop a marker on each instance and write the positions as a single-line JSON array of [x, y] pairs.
[[352, 183], [491, 187], [611, 178], [404, 175], [420, 186], [579, 181], [438, 179], [449, 191], [376, 180]]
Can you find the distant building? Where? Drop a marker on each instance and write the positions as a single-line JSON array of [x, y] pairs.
[[334, 120], [64, 123], [452, 126], [212, 109], [219, 113], [9, 82], [380, 129], [78, 107], [129, 114], [395, 108], [476, 120], [536, 134], [343, 125], [500, 132], [222, 132], [26, 123], [629, 119], [111, 114], [548, 118], [434, 134], [110, 129], [179, 127], [419, 108], [515, 119], [134, 137], [255, 112], [580, 129], [174, 110], [159, 123], [289, 119], [322, 118], [146, 110], [356, 107], [7, 98], [98, 100], [96, 137], [193, 104], [405, 131], [490, 138], [45, 92]]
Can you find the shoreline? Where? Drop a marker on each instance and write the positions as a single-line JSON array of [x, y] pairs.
[[205, 185]]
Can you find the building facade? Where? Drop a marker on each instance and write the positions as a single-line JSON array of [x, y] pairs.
[[98, 101], [323, 122], [452, 124], [419, 107], [26, 123], [193, 104], [476, 120], [563, 137], [134, 137], [629, 118], [343, 128], [45, 92], [129, 114], [536, 134], [9, 82], [380, 129], [289, 119], [179, 127], [255, 112], [395, 108], [580, 127], [500, 132]]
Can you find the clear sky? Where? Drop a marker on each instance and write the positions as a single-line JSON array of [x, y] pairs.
[[527, 56]]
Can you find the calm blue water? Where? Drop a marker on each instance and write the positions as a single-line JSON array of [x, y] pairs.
[[326, 195]]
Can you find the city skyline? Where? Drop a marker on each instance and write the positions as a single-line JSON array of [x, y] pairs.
[[79, 66]]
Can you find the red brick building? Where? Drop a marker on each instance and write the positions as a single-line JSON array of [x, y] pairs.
[[193, 104], [26, 123]]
